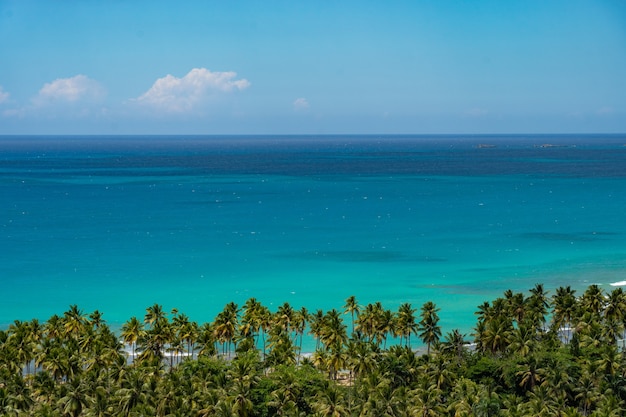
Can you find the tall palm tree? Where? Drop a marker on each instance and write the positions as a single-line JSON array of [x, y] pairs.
[[386, 326], [226, 325], [538, 305], [516, 305], [615, 310], [53, 327], [593, 300], [19, 341], [429, 330], [95, 319], [186, 331], [251, 319], [316, 326], [284, 317], [300, 320], [406, 323], [132, 331], [206, 340], [333, 333], [352, 307], [368, 322], [496, 335], [453, 344], [522, 340], [154, 314], [361, 357], [264, 317], [155, 339], [565, 307], [74, 321]]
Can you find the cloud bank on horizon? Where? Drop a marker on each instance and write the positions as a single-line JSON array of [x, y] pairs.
[[417, 67]]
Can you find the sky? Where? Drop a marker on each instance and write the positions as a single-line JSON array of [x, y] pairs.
[[312, 67]]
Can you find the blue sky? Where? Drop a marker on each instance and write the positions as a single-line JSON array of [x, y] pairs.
[[264, 67]]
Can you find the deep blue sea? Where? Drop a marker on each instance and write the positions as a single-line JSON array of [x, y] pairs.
[[120, 223]]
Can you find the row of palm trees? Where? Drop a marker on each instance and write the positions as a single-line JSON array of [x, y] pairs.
[[530, 354], [278, 335]]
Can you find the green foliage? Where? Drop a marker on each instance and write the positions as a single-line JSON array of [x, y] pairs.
[[532, 355]]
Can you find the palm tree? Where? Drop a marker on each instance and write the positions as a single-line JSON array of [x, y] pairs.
[[333, 333], [17, 396], [20, 342], [95, 319], [75, 398], [496, 335], [301, 317], [538, 306], [367, 321], [206, 340], [430, 332], [134, 391], [264, 317], [386, 326], [406, 324], [530, 373], [516, 305], [35, 335], [361, 357], [226, 325], [132, 331], [351, 307], [378, 396], [282, 349], [593, 300], [484, 312], [316, 326], [611, 362], [283, 403], [241, 403], [615, 310], [53, 327], [330, 403], [587, 393], [453, 344], [73, 321], [251, 319], [522, 340], [425, 400], [185, 330], [565, 306], [154, 314], [53, 358], [155, 339]]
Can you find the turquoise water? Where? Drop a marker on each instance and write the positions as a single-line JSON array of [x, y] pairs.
[[120, 223]]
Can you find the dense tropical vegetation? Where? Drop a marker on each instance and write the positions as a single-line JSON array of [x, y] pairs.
[[530, 354]]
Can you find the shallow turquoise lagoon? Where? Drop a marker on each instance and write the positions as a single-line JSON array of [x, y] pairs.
[[120, 223]]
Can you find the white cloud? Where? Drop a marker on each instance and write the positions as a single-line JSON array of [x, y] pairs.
[[177, 95], [4, 96], [69, 90], [301, 104]]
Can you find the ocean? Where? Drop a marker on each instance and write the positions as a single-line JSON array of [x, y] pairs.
[[190, 222]]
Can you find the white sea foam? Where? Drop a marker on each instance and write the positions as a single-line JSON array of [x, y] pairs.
[[618, 284]]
